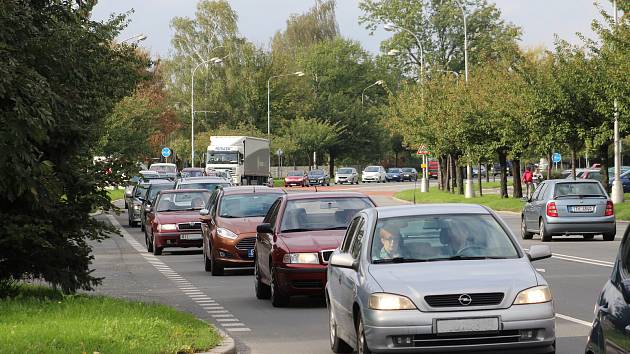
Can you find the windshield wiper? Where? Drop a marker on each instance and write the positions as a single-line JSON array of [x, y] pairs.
[[465, 258], [399, 260], [297, 230]]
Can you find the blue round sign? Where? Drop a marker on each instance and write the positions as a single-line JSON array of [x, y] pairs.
[[166, 152], [556, 157]]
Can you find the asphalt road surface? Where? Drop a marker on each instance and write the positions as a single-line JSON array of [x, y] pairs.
[[577, 272]]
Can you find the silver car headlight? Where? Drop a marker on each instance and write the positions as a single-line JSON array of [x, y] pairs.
[[385, 301], [535, 295], [300, 258], [225, 233]]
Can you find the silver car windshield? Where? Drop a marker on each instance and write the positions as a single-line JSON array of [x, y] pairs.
[[425, 238], [578, 190], [345, 171], [322, 213]]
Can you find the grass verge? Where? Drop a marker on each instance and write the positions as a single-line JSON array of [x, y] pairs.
[[41, 320], [278, 182], [435, 196], [116, 194]]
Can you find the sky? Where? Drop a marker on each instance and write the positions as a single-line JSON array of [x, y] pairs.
[[260, 19]]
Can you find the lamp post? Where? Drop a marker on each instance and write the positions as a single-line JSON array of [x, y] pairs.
[[215, 61], [391, 27], [379, 82], [137, 38], [617, 186]]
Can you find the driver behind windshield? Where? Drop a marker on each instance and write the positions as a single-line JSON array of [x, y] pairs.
[[462, 240], [392, 241]]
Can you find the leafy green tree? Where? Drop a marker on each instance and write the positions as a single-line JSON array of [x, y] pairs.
[[310, 135], [60, 76]]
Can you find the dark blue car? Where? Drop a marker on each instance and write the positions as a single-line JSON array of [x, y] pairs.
[[394, 174], [625, 181], [611, 327]]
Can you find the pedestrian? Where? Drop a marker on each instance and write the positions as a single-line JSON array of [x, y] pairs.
[[538, 177], [528, 180]]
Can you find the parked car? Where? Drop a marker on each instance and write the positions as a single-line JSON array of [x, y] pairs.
[[347, 175], [610, 332], [192, 172], [434, 167], [207, 183], [409, 174], [133, 181], [155, 185], [134, 212], [373, 174], [475, 171], [173, 220], [318, 178], [394, 174], [165, 170], [592, 174], [229, 225], [148, 174], [296, 178], [295, 240], [437, 278], [625, 181], [568, 207]]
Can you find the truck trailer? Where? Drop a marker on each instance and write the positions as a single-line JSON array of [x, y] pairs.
[[245, 157]]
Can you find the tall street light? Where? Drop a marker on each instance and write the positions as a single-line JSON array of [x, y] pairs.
[[379, 82], [390, 27], [137, 38], [214, 61], [617, 186], [298, 74]]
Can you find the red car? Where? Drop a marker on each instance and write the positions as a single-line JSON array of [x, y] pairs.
[[173, 220], [295, 240], [296, 178]]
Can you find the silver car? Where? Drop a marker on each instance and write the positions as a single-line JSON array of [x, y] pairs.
[[347, 175], [437, 278], [569, 207]]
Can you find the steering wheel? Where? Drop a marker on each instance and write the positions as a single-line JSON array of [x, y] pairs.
[[463, 250]]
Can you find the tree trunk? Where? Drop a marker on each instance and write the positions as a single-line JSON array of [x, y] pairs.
[[453, 173], [503, 163], [603, 152], [516, 179], [331, 167], [460, 176], [442, 170], [449, 174], [573, 162], [396, 157], [549, 165], [479, 177]]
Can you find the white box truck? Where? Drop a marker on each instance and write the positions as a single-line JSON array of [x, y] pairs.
[[245, 157]]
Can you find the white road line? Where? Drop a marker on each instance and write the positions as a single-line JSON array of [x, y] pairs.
[[217, 312], [574, 320], [204, 300], [238, 324], [223, 315], [238, 329], [582, 261], [227, 319]]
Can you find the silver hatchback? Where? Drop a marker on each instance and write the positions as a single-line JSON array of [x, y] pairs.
[[569, 207], [437, 278]]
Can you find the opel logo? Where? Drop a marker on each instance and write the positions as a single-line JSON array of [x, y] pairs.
[[465, 299]]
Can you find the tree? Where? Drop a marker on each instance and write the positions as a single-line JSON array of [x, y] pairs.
[[60, 75], [310, 135]]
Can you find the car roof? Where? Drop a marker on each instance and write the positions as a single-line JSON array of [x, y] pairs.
[[202, 179], [428, 209], [164, 191], [162, 164], [159, 181], [578, 180], [252, 190], [192, 169], [317, 195]]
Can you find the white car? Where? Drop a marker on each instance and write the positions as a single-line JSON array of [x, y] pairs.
[[347, 175], [374, 174]]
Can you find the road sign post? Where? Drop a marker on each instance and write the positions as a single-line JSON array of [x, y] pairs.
[[424, 183], [556, 157], [166, 152]]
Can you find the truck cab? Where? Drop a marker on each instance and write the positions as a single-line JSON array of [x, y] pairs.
[[245, 158]]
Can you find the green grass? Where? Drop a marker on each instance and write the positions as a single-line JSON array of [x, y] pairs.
[[435, 196], [116, 193], [278, 182], [41, 320], [491, 184]]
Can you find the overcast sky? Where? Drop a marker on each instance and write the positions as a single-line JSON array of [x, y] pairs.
[[260, 19]]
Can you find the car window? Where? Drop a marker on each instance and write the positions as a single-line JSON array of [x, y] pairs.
[[155, 188], [539, 194], [574, 189], [212, 200], [181, 201], [372, 169], [321, 213], [140, 191], [440, 237], [345, 171], [347, 240], [246, 205], [357, 240], [625, 257], [210, 186], [272, 214], [295, 173]]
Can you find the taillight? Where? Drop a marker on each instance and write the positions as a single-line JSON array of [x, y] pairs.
[[552, 210], [610, 209]]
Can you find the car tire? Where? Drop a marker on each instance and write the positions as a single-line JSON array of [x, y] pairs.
[[545, 236], [157, 251], [263, 291], [609, 236], [337, 345], [216, 269], [524, 233], [588, 237], [207, 265], [149, 244], [362, 347], [278, 297]]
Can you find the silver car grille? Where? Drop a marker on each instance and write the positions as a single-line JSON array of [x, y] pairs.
[[464, 300]]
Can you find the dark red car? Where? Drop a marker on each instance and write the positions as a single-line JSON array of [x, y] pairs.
[[173, 220], [295, 240], [296, 178]]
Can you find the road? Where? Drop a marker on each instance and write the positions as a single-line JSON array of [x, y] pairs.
[[576, 273]]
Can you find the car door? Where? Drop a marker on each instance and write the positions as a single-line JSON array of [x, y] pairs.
[[529, 211], [264, 242], [614, 309], [539, 205], [208, 222], [334, 288], [348, 278]]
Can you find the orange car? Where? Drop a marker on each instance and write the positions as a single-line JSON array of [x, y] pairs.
[[229, 225]]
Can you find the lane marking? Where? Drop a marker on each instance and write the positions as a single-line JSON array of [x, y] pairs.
[[238, 329], [574, 320], [223, 315], [238, 324], [227, 319], [219, 311]]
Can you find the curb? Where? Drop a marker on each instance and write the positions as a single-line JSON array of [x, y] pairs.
[[498, 211], [227, 345], [402, 200]]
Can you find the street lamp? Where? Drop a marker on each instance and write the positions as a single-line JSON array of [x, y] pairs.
[[390, 27], [214, 60], [137, 38], [379, 82], [617, 186], [298, 74]]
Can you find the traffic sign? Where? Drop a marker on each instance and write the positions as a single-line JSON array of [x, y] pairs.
[[166, 152], [556, 157], [279, 152], [423, 150], [424, 165]]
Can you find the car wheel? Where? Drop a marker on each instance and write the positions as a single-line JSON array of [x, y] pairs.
[[263, 291], [129, 222], [156, 250], [588, 237], [207, 265], [142, 228], [216, 268], [545, 236], [278, 297], [337, 345], [609, 236], [362, 347], [524, 233], [328, 184]]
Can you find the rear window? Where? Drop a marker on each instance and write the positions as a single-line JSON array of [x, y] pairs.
[[207, 186], [163, 168], [569, 189], [182, 201], [321, 214], [295, 173]]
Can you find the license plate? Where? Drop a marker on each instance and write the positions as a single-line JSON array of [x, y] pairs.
[[582, 209], [250, 253], [468, 325], [190, 237]]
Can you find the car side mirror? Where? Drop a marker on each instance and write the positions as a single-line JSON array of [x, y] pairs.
[[342, 260], [625, 290], [204, 212], [538, 252], [526, 199], [264, 228]]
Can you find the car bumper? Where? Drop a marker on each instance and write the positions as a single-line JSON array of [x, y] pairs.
[[408, 177], [370, 179], [234, 253], [316, 183], [302, 280], [568, 228], [394, 178], [173, 239], [383, 328], [344, 180], [293, 183]]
